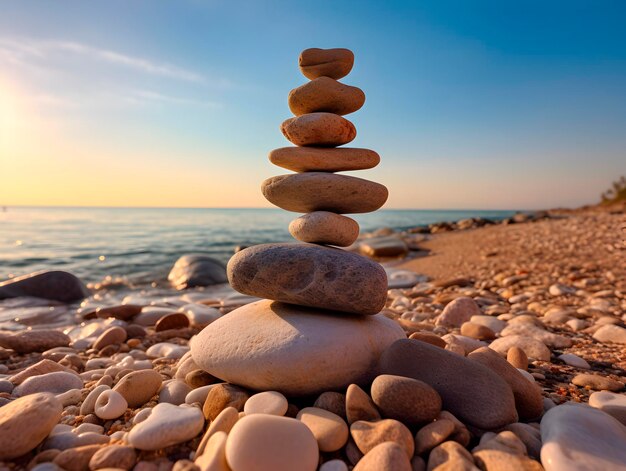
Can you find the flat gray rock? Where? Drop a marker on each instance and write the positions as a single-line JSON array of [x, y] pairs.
[[56, 285]]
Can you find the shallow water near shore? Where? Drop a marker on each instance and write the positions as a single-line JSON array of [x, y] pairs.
[[138, 246]]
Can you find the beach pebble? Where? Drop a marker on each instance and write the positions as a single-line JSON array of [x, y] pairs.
[[222, 396], [336, 465], [428, 337], [574, 360], [307, 275], [528, 330], [333, 402], [322, 191], [71, 397], [493, 323], [113, 456], [271, 443], [334, 63], [497, 459], [387, 456], [224, 422], [379, 247], [56, 382], [175, 320], [200, 315], [529, 435], [138, 387], [405, 399], [330, 430], [327, 95], [174, 392], [517, 358], [76, 459], [597, 382], [292, 349], [56, 285], [123, 311], [323, 227], [433, 434], [267, 402], [29, 341], [198, 394], [528, 398], [25, 422], [150, 315], [451, 456], [324, 159], [611, 403], [42, 367], [534, 349], [113, 335], [318, 129], [367, 435], [213, 455], [457, 312], [468, 389], [6, 386], [87, 407], [477, 331], [577, 437], [166, 425], [110, 405], [196, 270], [67, 440], [607, 333], [359, 406]]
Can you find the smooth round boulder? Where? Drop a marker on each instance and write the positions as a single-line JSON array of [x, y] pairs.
[[25, 422], [318, 129], [293, 349], [408, 400], [334, 63], [468, 389], [271, 443], [319, 191], [323, 227], [326, 95], [310, 275], [324, 159]]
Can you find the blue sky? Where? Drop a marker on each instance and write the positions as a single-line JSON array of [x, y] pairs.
[[476, 104]]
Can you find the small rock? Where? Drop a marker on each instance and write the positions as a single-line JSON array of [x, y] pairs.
[[330, 430], [110, 405], [271, 443], [324, 227], [457, 312], [517, 358], [267, 402], [428, 338], [334, 63], [138, 387], [597, 382], [318, 129], [477, 331], [387, 456], [76, 459], [56, 382], [40, 368], [124, 311], [574, 360], [326, 95], [452, 456], [176, 320], [167, 425], [405, 399], [380, 247], [113, 335], [367, 435], [608, 333], [534, 349], [56, 285], [492, 460], [25, 422], [113, 456], [324, 159], [433, 434], [213, 455], [224, 422], [577, 437], [174, 392], [196, 270], [222, 396], [359, 406], [333, 402], [611, 403], [29, 341]]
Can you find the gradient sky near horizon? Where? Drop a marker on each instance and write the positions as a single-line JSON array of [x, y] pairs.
[[471, 104]]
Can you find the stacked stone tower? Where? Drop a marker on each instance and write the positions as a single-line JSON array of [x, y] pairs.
[[317, 328]]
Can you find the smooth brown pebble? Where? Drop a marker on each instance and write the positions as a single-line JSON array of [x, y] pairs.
[[333, 402], [176, 320], [517, 357], [477, 331], [433, 434], [327, 95], [138, 387], [367, 435], [330, 430], [334, 63], [113, 456], [387, 456], [427, 337], [324, 227], [324, 159], [318, 129], [222, 396], [359, 406]]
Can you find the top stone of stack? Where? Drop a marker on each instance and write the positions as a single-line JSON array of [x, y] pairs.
[[334, 63]]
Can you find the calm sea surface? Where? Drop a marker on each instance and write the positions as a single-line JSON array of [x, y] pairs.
[[140, 245]]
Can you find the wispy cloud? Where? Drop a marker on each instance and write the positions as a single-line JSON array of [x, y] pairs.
[[15, 50], [151, 96]]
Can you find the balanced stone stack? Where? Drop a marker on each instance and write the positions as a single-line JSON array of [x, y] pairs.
[[318, 327]]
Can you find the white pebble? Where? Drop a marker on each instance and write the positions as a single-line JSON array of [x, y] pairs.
[[268, 402], [110, 405]]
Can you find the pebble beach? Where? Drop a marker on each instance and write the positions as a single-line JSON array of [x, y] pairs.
[[467, 345]]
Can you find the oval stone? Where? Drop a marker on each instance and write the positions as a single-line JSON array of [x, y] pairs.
[[335, 63], [471, 391], [271, 443], [327, 95], [318, 129], [324, 159], [310, 275], [25, 422], [292, 349], [318, 191], [324, 227]]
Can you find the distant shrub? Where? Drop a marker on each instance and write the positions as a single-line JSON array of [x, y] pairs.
[[616, 193]]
